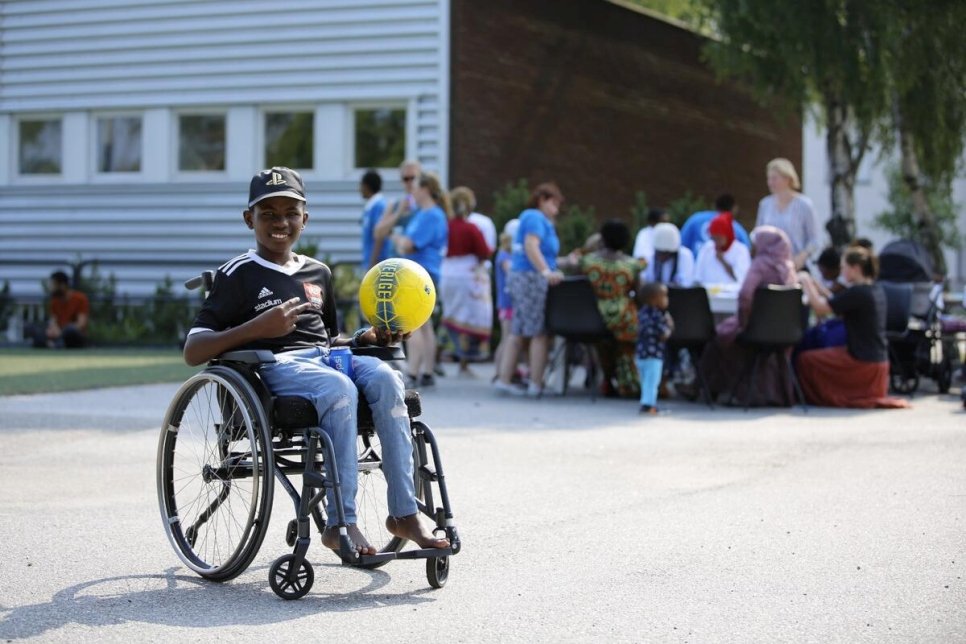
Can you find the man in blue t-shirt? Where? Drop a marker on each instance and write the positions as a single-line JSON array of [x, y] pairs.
[[695, 230], [369, 187]]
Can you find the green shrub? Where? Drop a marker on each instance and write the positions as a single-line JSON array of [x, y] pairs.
[[164, 318], [574, 226], [683, 207], [639, 212], [509, 202], [900, 219]]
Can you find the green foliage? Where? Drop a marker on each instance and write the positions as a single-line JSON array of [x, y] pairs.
[[927, 73], [574, 226], [690, 12], [901, 220], [509, 202], [6, 303], [683, 207], [639, 211], [163, 318], [308, 246]]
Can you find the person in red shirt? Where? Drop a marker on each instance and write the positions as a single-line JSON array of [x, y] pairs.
[[465, 281], [69, 316]]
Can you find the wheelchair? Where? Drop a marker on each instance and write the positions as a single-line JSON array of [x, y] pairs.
[[225, 442]]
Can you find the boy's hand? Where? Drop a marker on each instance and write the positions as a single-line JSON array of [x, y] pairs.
[[381, 337], [280, 320]]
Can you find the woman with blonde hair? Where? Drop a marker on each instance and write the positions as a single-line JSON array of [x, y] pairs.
[[789, 210], [424, 242], [465, 281]]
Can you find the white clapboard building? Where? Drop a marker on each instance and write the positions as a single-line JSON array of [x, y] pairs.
[[129, 128]]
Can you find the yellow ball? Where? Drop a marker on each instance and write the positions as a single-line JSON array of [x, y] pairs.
[[397, 295]]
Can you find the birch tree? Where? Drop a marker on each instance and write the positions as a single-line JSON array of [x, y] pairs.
[[827, 54]]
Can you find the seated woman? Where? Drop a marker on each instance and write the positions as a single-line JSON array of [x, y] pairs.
[[613, 274], [856, 375], [721, 260], [723, 360]]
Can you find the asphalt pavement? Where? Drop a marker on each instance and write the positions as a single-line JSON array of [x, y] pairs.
[[580, 520]]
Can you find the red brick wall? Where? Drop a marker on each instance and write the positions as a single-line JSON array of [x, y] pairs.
[[605, 101]]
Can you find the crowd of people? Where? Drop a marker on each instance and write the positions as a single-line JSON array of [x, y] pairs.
[[461, 250]]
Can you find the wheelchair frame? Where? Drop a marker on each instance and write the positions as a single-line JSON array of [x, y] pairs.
[[283, 438]]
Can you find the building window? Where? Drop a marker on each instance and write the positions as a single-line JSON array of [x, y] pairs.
[[380, 137], [201, 142], [289, 139], [40, 147], [119, 144]]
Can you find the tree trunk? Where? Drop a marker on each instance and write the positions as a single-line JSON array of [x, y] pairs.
[[842, 169], [929, 235]]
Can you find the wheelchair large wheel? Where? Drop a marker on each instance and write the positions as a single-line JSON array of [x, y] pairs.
[[372, 507], [215, 473]]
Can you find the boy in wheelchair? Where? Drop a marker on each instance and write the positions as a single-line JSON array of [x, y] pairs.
[[271, 298]]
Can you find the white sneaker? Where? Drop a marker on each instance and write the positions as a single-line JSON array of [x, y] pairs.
[[534, 390], [501, 387]]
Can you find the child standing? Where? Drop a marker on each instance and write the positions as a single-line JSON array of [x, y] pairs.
[[501, 269], [654, 326]]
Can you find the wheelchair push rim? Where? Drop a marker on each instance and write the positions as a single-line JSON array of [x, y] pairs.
[[215, 474]]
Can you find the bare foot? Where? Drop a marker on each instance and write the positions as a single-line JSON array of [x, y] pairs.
[[410, 528], [330, 539]]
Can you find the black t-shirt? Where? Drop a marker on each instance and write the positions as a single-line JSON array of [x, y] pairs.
[[247, 285], [863, 310]]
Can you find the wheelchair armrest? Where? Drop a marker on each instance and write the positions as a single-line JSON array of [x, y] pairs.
[[383, 353], [248, 356]]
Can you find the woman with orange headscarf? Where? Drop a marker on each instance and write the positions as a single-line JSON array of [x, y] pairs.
[[721, 260]]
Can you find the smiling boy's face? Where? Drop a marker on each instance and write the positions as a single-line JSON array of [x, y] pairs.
[[278, 223]]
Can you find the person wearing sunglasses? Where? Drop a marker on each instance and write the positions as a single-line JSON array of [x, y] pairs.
[[397, 213]]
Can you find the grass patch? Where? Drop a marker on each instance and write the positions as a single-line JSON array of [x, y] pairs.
[[31, 371]]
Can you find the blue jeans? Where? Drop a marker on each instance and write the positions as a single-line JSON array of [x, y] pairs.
[[650, 371], [336, 398]]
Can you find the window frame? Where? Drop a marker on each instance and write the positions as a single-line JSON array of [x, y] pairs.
[[98, 176], [197, 175], [21, 177], [260, 141], [353, 170]]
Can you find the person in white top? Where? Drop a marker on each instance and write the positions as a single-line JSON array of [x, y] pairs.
[[644, 242], [789, 210], [721, 260], [486, 226], [673, 264]]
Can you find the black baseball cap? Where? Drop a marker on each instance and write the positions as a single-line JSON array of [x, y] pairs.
[[275, 182]]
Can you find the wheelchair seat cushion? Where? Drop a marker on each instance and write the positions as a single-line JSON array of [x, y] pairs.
[[295, 412]]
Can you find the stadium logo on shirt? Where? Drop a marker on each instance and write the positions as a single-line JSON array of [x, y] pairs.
[[264, 293], [313, 293]]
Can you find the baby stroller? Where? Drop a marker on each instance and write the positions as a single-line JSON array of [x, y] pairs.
[[916, 348]]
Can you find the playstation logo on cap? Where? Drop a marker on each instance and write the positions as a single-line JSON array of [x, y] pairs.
[[275, 182]]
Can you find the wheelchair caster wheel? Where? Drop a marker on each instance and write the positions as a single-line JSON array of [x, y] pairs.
[[291, 532], [437, 571], [296, 588]]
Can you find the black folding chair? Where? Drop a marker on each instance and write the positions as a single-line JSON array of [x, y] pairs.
[[693, 328], [572, 314], [774, 326]]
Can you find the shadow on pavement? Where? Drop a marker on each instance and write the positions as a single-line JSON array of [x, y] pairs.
[[181, 600]]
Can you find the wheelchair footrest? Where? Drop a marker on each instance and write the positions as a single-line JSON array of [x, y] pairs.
[[424, 553]]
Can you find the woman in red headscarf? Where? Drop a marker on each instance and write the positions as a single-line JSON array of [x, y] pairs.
[[721, 260]]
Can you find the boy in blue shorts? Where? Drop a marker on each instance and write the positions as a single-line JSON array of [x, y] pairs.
[[270, 298]]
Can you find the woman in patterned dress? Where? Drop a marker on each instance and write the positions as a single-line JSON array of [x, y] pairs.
[[613, 274]]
